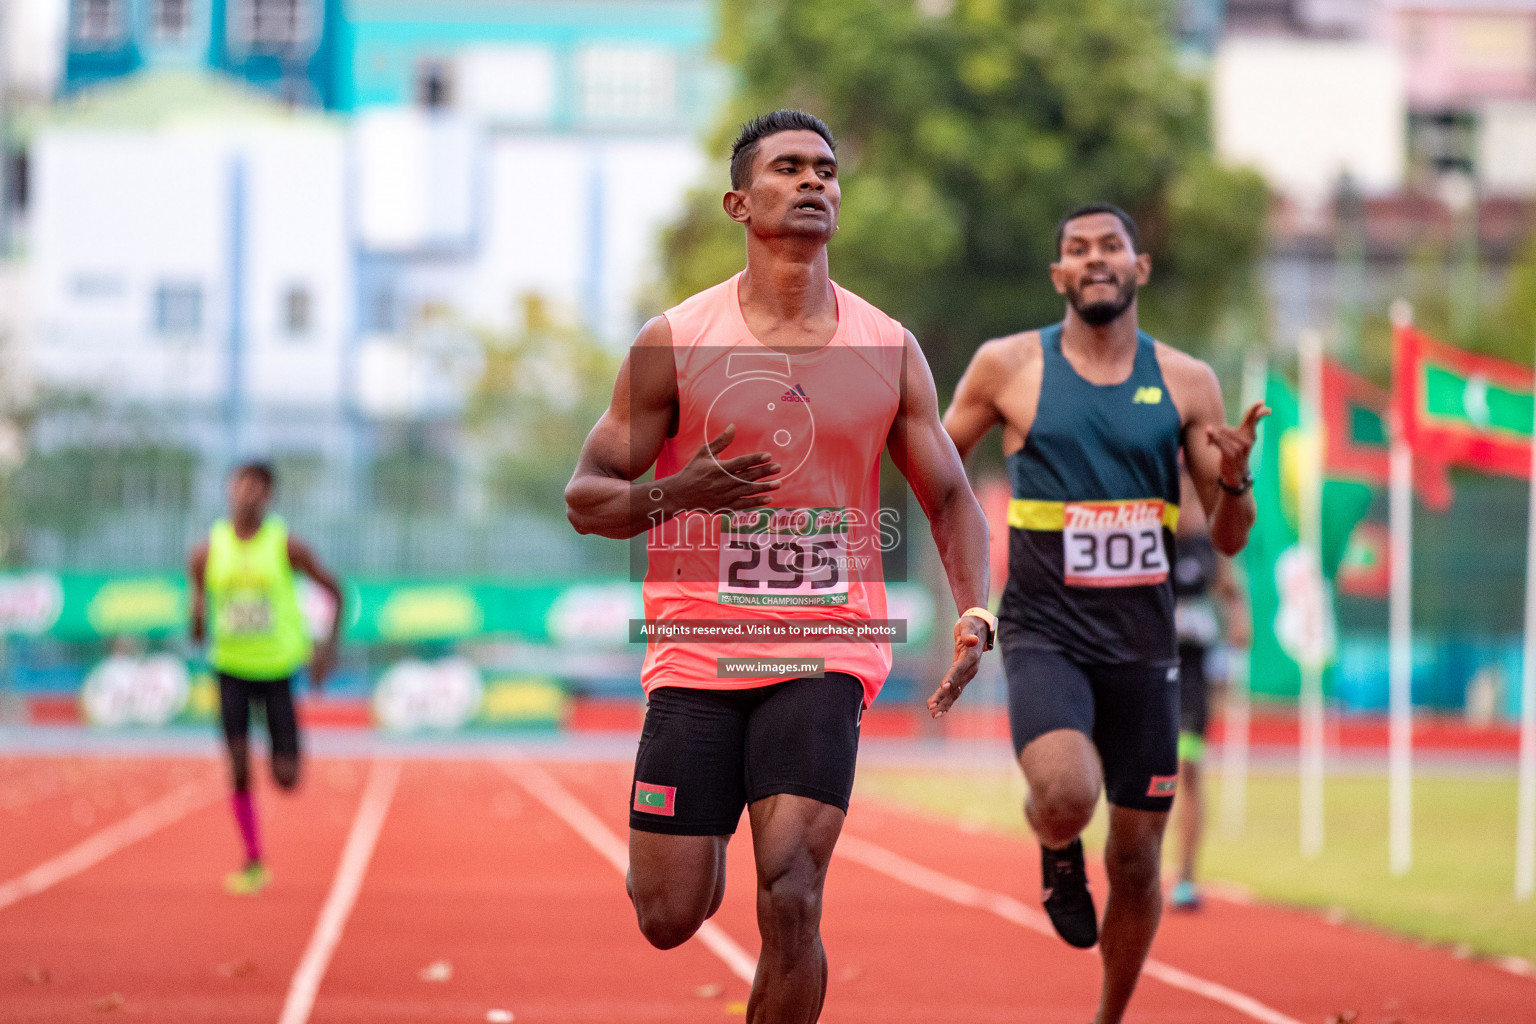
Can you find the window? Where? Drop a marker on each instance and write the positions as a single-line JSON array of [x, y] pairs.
[[1442, 141], [99, 21], [432, 84], [92, 285], [298, 311], [506, 83], [172, 19], [179, 308], [269, 25], [1503, 44], [628, 84], [18, 181], [383, 318]]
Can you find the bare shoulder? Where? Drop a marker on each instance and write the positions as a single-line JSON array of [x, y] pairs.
[[657, 333], [649, 375], [1191, 382], [1002, 359], [299, 552]]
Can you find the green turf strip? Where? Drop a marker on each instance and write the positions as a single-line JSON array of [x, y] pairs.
[[1460, 889]]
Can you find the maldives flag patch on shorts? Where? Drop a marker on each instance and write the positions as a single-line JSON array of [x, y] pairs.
[[651, 799], [1163, 785]]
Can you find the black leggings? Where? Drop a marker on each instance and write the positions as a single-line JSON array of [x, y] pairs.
[[276, 695]]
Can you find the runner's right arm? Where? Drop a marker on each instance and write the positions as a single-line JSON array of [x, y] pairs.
[[925, 455], [603, 497], [197, 568]]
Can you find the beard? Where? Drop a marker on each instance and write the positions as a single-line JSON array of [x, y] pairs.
[[1097, 314]]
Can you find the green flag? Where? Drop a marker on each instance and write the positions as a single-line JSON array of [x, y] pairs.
[[1290, 592]]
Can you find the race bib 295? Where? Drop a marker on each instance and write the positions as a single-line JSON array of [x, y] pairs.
[[784, 557]]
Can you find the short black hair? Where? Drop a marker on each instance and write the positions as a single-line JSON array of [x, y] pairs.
[[258, 468], [1089, 210], [744, 149]]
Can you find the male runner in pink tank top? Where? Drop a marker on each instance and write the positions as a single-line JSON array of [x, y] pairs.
[[765, 404]]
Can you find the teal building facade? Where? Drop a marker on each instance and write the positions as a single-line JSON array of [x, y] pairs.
[[554, 65], [294, 49]]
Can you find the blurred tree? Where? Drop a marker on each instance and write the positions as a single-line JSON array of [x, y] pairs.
[[966, 129], [1505, 326], [1514, 319], [540, 391]]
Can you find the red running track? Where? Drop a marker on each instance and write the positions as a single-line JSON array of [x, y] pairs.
[[479, 869]]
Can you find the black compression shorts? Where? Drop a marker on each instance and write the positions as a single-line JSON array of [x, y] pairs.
[[1129, 711], [276, 695], [706, 754]]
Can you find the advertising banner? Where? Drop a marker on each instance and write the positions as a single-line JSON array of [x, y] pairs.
[[439, 658]]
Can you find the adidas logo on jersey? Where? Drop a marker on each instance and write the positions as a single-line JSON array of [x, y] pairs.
[[1147, 396], [796, 394]]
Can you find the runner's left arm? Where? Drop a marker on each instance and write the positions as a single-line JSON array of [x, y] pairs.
[[197, 572], [303, 559], [1217, 455], [927, 458]]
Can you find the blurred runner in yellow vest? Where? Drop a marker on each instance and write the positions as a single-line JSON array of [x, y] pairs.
[[258, 640]]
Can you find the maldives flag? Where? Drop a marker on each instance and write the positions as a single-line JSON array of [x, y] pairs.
[[1357, 440], [651, 799], [1463, 409]]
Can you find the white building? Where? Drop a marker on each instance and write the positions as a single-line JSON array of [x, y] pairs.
[[456, 216], [192, 243], [1396, 93], [193, 265], [1305, 111]]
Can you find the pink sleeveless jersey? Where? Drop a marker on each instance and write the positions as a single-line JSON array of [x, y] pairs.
[[813, 558]]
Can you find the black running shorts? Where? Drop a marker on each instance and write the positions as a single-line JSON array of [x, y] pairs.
[[276, 695], [706, 754], [1129, 711]]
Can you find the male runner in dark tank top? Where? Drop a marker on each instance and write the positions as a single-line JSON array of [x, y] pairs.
[[1094, 413]]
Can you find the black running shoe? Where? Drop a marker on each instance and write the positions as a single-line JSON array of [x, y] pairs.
[[1064, 891]]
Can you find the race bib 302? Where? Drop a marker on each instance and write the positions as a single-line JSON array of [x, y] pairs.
[[1114, 543]]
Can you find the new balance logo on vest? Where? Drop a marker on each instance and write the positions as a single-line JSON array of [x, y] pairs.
[[796, 394], [1147, 396]]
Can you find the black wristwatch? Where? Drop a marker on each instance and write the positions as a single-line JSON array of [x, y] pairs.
[[1241, 489]]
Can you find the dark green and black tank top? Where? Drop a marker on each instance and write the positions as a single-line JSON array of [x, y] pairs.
[[1095, 501]]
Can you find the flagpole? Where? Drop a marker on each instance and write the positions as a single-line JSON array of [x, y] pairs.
[[1310, 701], [1400, 642], [1236, 709], [1525, 827]]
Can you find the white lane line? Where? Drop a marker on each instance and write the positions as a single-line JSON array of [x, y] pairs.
[[371, 811], [1244, 1004], [143, 822], [893, 865], [546, 790]]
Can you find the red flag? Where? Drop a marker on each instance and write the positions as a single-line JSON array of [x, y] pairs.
[[1356, 437], [1463, 409]]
